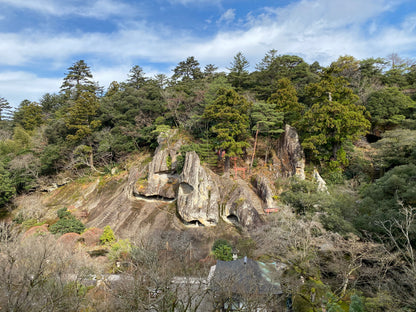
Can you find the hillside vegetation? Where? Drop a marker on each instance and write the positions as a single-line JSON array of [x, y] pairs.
[[76, 157]]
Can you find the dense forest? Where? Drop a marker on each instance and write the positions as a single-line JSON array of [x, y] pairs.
[[356, 121]]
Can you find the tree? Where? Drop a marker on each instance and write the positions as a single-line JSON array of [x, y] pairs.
[[5, 109], [187, 70], [333, 119], [28, 115], [396, 147], [136, 77], [388, 108], [81, 119], [7, 189], [286, 101], [238, 75], [77, 80], [267, 121], [230, 122]]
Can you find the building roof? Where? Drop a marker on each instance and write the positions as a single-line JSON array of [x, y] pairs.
[[245, 276]]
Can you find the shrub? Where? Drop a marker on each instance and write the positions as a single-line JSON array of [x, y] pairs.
[[63, 213], [67, 225], [222, 250], [108, 236]]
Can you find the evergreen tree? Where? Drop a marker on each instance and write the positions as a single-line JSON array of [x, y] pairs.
[[5, 109], [333, 119], [136, 77], [238, 75], [230, 122], [286, 101], [77, 80], [187, 70], [28, 115]]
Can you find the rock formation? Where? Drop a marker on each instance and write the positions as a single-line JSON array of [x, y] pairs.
[[263, 190], [290, 159], [198, 193], [321, 182], [240, 205], [161, 182]]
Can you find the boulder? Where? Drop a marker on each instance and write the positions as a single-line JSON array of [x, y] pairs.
[[321, 182], [240, 205], [161, 180], [263, 190], [290, 160], [198, 194]]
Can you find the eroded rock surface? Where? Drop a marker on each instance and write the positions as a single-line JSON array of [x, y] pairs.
[[240, 204], [198, 193], [161, 180], [290, 159], [263, 190]]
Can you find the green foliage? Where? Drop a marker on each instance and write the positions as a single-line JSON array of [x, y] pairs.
[[222, 250], [108, 236], [303, 196], [238, 75], [67, 225], [286, 101], [63, 213], [228, 114], [81, 117], [7, 188], [397, 147], [78, 79], [333, 119], [356, 304], [388, 107], [381, 201], [28, 115]]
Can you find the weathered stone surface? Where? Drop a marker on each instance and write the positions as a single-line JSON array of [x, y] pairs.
[[263, 190], [290, 159], [198, 194], [161, 180], [321, 182], [240, 204]]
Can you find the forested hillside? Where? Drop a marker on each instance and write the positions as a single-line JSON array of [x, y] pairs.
[[356, 121]]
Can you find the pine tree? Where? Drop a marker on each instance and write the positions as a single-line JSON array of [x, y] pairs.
[[78, 79]]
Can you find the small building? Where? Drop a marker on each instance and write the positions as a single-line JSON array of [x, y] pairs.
[[245, 285]]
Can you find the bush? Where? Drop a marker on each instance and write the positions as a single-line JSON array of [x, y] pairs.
[[63, 213], [108, 236], [67, 225], [222, 250]]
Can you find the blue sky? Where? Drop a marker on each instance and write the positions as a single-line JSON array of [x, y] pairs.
[[40, 39]]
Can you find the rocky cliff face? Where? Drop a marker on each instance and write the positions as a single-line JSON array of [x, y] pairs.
[[161, 180], [290, 159], [198, 193]]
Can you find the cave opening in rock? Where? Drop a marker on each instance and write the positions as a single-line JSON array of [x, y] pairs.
[[232, 218], [195, 223]]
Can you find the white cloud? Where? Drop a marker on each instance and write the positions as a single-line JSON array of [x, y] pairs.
[[92, 8], [18, 85], [227, 17], [319, 30], [195, 2]]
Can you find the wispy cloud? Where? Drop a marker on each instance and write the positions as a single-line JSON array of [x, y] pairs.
[[195, 2], [319, 30], [227, 17], [13, 82], [89, 8]]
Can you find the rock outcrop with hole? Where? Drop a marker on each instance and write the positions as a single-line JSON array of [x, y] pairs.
[[240, 205], [290, 159], [161, 180], [198, 193]]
